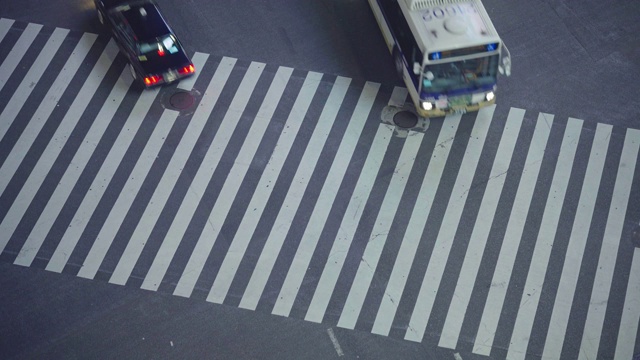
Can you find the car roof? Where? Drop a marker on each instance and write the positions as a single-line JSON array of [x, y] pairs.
[[108, 4], [143, 17]]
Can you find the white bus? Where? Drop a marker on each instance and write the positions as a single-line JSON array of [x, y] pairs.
[[447, 52]]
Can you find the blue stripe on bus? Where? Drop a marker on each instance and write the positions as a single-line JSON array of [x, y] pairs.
[[487, 87]]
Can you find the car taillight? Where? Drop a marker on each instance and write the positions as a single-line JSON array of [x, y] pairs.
[[151, 80], [187, 70]]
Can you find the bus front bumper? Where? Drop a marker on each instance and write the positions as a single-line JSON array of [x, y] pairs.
[[458, 109]]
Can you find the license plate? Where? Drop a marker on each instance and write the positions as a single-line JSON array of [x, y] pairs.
[[460, 111], [170, 76]]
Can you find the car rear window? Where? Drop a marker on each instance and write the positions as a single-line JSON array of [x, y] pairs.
[[162, 46]]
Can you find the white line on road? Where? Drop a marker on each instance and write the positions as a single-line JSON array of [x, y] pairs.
[[444, 241], [55, 145], [231, 185], [630, 313], [294, 195], [263, 190], [335, 343], [5, 26], [164, 189], [480, 234], [609, 250], [577, 242], [46, 107], [349, 220], [412, 235], [544, 243], [51, 99], [94, 194], [74, 170], [21, 94], [379, 234], [311, 235], [513, 234], [17, 52]]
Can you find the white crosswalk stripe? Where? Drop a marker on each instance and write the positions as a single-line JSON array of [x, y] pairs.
[[17, 52], [130, 256], [263, 190], [288, 210], [150, 152], [21, 94], [134, 183], [577, 243], [310, 219], [161, 196], [506, 259], [437, 262], [631, 312], [312, 233], [544, 243], [338, 168], [475, 249], [5, 26], [44, 110], [231, 184], [97, 188], [609, 251], [408, 248], [58, 141], [381, 229], [79, 162]]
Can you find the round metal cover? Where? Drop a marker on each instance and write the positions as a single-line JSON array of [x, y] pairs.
[[181, 100], [405, 119]]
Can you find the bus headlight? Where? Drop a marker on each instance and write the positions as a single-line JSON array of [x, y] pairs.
[[490, 96], [426, 105]]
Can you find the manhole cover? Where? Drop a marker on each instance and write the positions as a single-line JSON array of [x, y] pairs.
[[181, 100], [405, 119]]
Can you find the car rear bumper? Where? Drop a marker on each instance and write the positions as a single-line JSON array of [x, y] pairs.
[[167, 77]]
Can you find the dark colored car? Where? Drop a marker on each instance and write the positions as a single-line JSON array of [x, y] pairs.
[[155, 54]]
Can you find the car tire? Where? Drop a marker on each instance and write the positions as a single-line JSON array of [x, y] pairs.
[[100, 17]]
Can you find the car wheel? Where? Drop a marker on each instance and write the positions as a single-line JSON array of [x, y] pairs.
[[133, 72], [100, 17]]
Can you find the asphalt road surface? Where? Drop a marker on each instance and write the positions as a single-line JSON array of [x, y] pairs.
[[283, 216]]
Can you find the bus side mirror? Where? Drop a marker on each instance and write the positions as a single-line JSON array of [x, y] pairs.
[[505, 67], [417, 68]]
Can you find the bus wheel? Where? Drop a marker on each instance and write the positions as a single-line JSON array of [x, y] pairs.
[[397, 57]]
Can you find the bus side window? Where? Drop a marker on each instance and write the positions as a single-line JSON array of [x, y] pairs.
[[402, 33], [417, 60]]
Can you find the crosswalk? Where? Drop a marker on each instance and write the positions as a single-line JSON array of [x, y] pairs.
[[502, 233]]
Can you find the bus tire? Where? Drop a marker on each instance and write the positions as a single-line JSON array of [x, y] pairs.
[[397, 58]]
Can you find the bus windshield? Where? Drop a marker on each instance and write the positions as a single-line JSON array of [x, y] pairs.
[[460, 76]]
